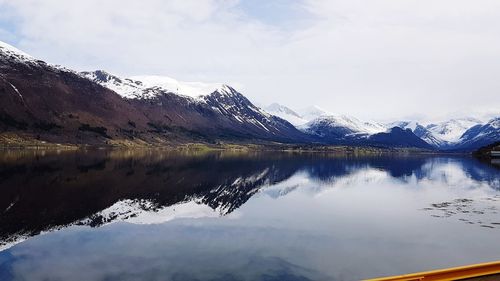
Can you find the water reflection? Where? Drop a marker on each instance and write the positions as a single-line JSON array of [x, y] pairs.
[[259, 239]]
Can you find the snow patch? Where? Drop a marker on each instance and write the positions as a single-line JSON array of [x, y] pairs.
[[14, 52], [190, 89], [151, 86]]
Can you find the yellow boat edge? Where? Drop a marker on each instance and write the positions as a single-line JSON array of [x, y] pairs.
[[448, 274]]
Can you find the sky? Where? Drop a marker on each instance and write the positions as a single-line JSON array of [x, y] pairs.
[[373, 59]]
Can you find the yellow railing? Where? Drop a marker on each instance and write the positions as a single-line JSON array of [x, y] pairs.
[[449, 274]]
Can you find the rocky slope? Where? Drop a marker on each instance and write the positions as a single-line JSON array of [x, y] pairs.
[[54, 104], [480, 135], [397, 137], [214, 111]]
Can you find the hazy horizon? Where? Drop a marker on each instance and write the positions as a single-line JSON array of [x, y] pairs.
[[384, 60]]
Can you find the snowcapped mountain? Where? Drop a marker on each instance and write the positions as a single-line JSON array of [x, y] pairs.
[[190, 89], [412, 125], [480, 135], [285, 113], [447, 135], [233, 105], [420, 131], [299, 117], [348, 130], [53, 104], [427, 136], [10, 54], [327, 127], [319, 122], [127, 88], [452, 130], [318, 117], [340, 126], [312, 112], [148, 87], [452, 134], [50, 103], [198, 107]]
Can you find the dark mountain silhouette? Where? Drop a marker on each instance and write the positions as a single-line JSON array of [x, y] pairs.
[[397, 137]]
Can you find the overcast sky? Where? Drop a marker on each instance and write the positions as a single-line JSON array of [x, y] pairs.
[[374, 59]]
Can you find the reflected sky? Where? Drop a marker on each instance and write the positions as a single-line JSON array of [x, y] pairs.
[[150, 215]]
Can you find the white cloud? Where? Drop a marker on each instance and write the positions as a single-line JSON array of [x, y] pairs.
[[372, 59]]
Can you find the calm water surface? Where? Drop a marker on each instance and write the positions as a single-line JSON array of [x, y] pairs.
[[152, 215]]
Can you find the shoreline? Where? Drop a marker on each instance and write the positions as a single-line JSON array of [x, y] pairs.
[[241, 147]]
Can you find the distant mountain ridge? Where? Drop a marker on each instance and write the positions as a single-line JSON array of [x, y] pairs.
[[452, 130], [346, 130], [480, 135], [454, 134], [311, 117], [49, 103], [285, 113]]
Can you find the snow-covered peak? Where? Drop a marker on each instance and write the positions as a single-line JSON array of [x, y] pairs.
[[412, 125], [125, 87], [285, 113], [481, 135], [352, 124], [316, 117], [10, 54], [451, 130], [450, 133], [13, 52], [150, 86], [276, 107], [312, 112], [190, 89], [222, 89]]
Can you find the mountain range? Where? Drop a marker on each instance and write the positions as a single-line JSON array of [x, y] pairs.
[[41, 102], [460, 134]]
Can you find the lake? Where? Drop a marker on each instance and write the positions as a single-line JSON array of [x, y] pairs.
[[159, 215]]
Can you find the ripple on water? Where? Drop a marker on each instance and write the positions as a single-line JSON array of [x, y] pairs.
[[479, 212]]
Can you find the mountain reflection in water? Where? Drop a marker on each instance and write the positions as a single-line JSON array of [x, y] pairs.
[[45, 191]]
